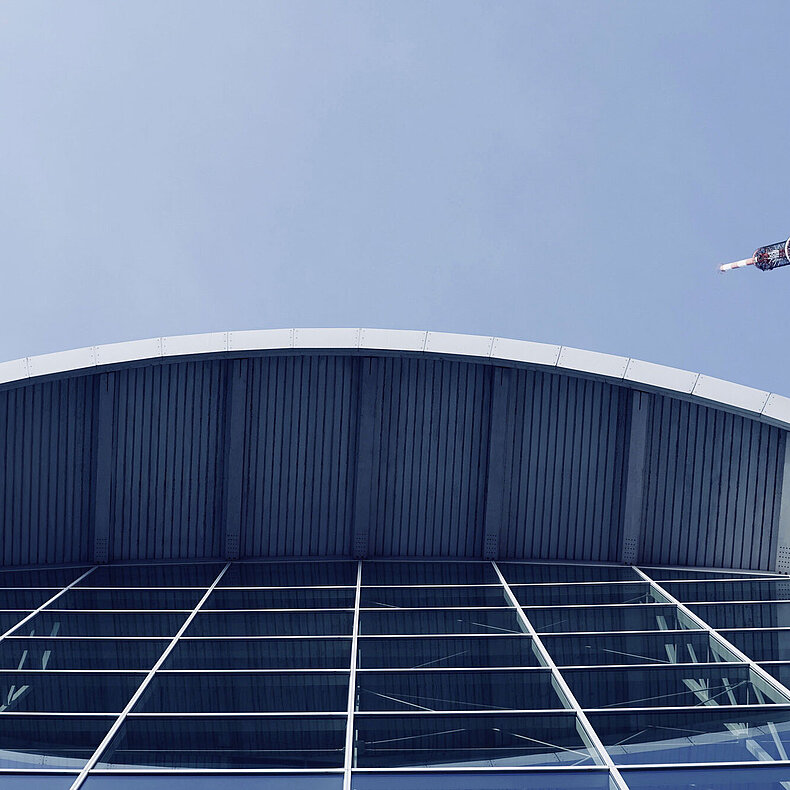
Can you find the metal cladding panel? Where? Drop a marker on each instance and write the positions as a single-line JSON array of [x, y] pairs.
[[166, 461], [712, 488], [46, 472], [564, 491], [430, 458], [299, 455]]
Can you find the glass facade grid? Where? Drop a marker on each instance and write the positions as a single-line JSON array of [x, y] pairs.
[[391, 666]]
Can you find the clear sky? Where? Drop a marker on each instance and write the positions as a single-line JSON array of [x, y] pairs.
[[568, 172]]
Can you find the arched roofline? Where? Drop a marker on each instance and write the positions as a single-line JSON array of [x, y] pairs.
[[696, 387]]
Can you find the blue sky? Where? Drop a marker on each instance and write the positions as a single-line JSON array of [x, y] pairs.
[[567, 172]]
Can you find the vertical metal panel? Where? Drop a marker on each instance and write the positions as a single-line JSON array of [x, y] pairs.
[[301, 424], [712, 487], [167, 461], [565, 492], [432, 448], [46, 472]]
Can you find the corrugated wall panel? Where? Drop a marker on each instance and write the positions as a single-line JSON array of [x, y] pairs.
[[712, 487], [167, 461], [564, 494], [432, 449], [46, 457], [299, 456]]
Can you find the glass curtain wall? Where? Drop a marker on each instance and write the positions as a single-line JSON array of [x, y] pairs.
[[388, 674]]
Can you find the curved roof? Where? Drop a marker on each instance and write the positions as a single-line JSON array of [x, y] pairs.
[[371, 442]]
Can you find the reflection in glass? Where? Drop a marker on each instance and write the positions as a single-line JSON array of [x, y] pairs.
[[672, 574], [397, 573], [196, 575], [523, 780], [761, 645], [753, 777], [151, 624], [685, 647], [431, 690], [302, 781], [447, 652], [780, 671], [744, 615], [66, 692], [466, 740], [271, 624], [525, 573], [590, 594], [240, 692], [438, 621], [703, 735], [129, 598], [226, 742], [610, 618], [776, 590], [64, 653], [44, 741], [260, 654], [57, 578], [24, 599], [417, 597], [290, 574], [294, 598], [731, 684]]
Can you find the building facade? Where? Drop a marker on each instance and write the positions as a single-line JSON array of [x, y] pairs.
[[377, 559]]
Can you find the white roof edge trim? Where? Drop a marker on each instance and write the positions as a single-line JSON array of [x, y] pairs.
[[695, 386]]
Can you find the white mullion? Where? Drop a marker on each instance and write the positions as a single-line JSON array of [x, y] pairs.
[[695, 618], [352, 686], [78, 782], [592, 735]]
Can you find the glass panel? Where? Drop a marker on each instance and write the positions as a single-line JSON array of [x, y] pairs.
[[776, 590], [260, 654], [296, 598], [757, 777], [761, 645], [397, 573], [505, 651], [671, 574], [35, 781], [120, 598], [780, 671], [225, 742], [744, 615], [245, 693], [518, 739], [663, 687], [66, 692], [9, 619], [417, 597], [271, 624], [703, 735], [566, 595], [524, 780], [437, 621], [41, 577], [153, 624], [610, 618], [217, 782], [44, 741], [25, 599], [80, 654], [690, 647], [530, 689], [198, 575], [290, 574], [517, 573]]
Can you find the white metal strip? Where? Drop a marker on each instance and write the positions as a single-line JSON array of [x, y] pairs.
[[352, 687]]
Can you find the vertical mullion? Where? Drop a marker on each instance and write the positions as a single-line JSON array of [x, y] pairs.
[[753, 665], [545, 656], [352, 686], [47, 603], [142, 687]]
